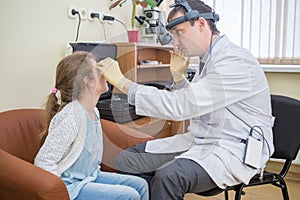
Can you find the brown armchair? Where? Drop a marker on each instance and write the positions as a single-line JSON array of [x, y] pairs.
[[20, 179]]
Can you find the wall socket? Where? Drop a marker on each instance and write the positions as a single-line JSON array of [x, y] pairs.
[[82, 11], [70, 8], [94, 19]]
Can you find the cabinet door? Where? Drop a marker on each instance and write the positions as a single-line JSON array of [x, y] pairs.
[[127, 58]]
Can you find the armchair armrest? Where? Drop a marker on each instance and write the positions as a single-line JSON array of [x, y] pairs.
[[20, 179]]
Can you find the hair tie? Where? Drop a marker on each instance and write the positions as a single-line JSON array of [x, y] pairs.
[[54, 90], [57, 95]]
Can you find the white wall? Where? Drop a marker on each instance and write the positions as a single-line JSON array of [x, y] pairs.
[[33, 37]]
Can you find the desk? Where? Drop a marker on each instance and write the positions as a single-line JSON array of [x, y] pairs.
[[158, 128]]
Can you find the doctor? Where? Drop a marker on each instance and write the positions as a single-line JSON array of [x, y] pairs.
[[226, 103]]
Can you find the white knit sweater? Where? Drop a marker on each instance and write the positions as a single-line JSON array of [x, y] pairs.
[[65, 140]]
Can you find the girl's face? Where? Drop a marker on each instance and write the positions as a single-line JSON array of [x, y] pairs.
[[101, 85]]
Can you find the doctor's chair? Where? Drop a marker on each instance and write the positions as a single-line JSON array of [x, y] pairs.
[[286, 135]]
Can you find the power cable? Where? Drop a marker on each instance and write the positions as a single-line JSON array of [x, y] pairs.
[[75, 12]]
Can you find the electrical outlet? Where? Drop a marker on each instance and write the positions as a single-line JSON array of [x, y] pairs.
[[90, 18], [89, 15], [70, 8], [83, 13]]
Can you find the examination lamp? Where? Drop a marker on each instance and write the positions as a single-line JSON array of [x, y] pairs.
[[190, 15]]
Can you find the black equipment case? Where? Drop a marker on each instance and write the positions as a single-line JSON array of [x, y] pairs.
[[117, 109]]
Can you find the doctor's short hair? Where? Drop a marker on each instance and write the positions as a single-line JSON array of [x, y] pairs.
[[195, 5]]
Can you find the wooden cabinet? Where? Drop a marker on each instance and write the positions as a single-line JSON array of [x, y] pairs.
[[130, 57]]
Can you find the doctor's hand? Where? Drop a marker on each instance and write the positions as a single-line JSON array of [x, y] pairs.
[[111, 71], [178, 64]]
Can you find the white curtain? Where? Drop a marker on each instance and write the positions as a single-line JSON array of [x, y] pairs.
[[270, 29]]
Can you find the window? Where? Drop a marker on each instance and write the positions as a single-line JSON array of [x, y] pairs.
[[270, 29]]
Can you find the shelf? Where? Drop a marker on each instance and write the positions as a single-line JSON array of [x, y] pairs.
[[153, 66]]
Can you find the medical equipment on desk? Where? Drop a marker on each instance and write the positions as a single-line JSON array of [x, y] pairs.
[[152, 28]]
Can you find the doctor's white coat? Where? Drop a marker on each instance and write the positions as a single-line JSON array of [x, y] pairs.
[[230, 96]]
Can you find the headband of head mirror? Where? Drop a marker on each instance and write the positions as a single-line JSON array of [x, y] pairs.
[[189, 15]]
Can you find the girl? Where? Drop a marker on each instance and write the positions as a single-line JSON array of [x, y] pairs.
[[72, 142]]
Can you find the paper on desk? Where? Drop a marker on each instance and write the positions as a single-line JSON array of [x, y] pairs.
[[177, 143]]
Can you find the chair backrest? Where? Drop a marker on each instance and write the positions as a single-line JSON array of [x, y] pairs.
[[19, 130], [286, 130]]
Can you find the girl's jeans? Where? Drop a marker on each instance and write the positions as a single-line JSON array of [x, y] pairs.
[[115, 186]]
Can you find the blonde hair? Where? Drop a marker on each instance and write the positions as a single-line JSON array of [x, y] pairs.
[[70, 73]]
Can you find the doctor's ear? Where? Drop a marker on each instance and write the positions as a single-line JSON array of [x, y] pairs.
[[201, 22]]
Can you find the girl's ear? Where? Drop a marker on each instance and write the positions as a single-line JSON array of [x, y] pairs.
[[86, 80], [88, 83]]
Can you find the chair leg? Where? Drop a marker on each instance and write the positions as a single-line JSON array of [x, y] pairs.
[[285, 193], [283, 187], [226, 194], [239, 192]]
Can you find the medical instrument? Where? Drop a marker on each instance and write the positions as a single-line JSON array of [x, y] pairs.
[[190, 15]]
